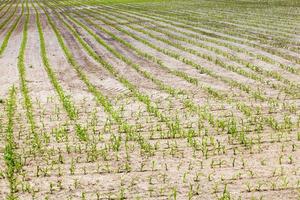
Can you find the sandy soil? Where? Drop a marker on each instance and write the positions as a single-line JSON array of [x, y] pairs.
[[133, 138]]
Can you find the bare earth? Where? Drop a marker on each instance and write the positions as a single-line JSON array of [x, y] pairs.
[[149, 99]]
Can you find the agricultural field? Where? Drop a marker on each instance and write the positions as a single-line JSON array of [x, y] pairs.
[[141, 99]]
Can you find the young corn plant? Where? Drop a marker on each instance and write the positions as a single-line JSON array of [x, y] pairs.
[[11, 157]]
